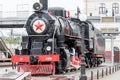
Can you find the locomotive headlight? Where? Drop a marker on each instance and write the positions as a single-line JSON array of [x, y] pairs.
[[48, 48], [37, 6]]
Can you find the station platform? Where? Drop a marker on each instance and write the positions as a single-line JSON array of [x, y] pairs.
[[114, 76]]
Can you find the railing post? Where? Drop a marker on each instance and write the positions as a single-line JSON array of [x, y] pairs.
[[115, 68], [106, 71], [102, 73], [112, 69], [97, 74], [83, 70], [109, 70], [91, 75]]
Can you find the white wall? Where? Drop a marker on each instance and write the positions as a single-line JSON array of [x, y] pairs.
[[93, 6], [9, 7]]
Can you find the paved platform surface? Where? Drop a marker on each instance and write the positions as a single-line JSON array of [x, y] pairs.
[[114, 76]]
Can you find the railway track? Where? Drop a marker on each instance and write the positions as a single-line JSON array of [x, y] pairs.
[[5, 64]]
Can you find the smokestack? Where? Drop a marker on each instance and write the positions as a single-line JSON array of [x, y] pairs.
[[45, 4]]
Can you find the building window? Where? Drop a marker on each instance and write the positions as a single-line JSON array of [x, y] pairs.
[[115, 8], [102, 8]]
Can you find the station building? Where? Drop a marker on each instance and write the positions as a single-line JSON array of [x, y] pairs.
[[105, 15]]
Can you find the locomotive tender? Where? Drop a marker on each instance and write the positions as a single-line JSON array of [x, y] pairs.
[[54, 45]]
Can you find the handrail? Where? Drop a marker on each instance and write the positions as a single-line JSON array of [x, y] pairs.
[[3, 45]]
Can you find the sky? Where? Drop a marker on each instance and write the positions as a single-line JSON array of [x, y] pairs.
[[68, 4], [9, 7]]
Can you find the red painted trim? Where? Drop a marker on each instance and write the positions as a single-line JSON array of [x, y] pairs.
[[68, 14], [76, 60], [72, 36], [67, 28], [37, 69], [41, 58], [16, 59], [99, 55], [49, 58]]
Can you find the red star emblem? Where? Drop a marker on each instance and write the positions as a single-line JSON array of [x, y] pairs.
[[38, 26]]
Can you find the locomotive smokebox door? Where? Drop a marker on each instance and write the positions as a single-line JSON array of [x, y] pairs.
[[37, 25]]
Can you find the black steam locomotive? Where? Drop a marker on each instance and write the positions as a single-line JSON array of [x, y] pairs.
[[54, 43]]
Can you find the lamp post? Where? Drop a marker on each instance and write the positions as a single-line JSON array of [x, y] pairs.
[[83, 73]]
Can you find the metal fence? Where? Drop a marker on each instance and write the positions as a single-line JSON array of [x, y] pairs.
[[95, 75], [104, 72]]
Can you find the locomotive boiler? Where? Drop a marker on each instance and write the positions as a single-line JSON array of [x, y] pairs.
[[53, 44]]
